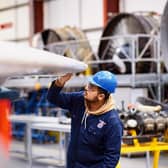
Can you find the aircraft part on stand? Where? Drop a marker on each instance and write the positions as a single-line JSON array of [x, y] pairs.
[[150, 102], [164, 35], [128, 24], [41, 39], [147, 122], [67, 41]]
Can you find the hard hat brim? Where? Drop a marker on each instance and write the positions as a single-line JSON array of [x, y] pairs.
[[94, 83]]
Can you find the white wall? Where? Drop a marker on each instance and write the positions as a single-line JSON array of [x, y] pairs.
[[59, 13], [17, 17], [143, 5], [20, 24], [80, 13], [92, 14], [128, 95], [8, 3], [10, 32], [85, 14], [23, 22]]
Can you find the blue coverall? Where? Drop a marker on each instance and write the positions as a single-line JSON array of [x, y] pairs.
[[98, 144]]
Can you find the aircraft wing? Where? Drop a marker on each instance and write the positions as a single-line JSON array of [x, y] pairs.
[[17, 59]]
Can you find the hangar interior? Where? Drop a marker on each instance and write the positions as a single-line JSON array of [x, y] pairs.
[[126, 37]]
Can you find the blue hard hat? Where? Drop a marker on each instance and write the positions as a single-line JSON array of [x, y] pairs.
[[105, 80]]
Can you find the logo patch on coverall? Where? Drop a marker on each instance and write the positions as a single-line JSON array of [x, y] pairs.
[[101, 124]]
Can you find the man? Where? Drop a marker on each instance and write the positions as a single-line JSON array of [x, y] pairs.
[[96, 129]]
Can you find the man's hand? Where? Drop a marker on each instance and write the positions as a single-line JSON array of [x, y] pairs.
[[60, 82]]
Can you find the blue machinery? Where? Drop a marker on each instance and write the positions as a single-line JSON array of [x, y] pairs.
[[37, 104]]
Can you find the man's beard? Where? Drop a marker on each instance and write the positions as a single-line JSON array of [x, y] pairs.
[[95, 100]]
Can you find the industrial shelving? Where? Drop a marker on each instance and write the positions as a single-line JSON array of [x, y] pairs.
[[156, 79]]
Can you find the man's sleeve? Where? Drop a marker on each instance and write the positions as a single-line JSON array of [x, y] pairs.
[[61, 99], [112, 138]]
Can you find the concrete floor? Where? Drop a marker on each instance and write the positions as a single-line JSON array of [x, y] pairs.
[[17, 160]]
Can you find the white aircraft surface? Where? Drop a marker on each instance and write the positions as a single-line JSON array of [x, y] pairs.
[[16, 59]]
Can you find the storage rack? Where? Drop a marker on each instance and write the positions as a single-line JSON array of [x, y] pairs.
[[156, 79]]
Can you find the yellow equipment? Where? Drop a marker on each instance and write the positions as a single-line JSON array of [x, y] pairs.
[[154, 146]]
